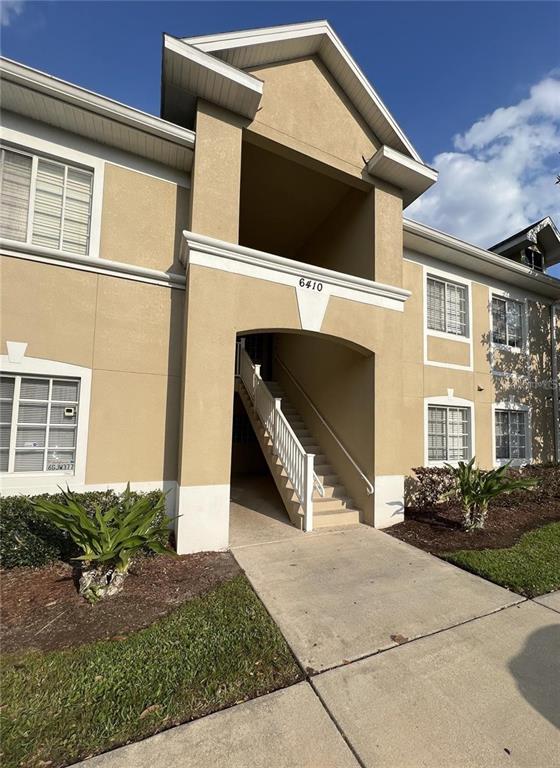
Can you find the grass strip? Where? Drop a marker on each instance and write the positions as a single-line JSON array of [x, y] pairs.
[[531, 567], [212, 652]]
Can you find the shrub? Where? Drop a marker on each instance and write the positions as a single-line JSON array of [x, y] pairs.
[[430, 486], [477, 487], [29, 539], [110, 538]]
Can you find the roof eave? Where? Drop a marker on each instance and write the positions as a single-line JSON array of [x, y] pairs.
[[74, 99], [431, 242], [412, 177]]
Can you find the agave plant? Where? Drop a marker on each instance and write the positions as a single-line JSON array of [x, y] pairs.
[[109, 539], [477, 487]]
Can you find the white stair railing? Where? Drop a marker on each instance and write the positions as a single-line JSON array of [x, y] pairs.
[[297, 463]]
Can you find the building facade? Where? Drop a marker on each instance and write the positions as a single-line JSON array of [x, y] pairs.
[[234, 287]]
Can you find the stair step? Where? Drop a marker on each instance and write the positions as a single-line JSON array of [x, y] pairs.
[[331, 492], [335, 519], [327, 479], [322, 505]]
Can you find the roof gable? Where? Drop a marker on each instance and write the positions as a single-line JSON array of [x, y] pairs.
[[258, 47]]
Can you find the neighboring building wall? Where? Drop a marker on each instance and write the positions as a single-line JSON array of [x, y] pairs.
[[475, 370]]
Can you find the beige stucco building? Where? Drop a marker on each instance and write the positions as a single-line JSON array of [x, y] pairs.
[[234, 288]]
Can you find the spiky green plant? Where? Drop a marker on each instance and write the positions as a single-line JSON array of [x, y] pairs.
[[476, 488], [109, 539]]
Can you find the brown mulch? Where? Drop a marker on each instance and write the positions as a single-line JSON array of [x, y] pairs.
[[438, 529], [41, 608]]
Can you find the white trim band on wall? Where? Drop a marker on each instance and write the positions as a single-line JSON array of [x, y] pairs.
[[237, 259]]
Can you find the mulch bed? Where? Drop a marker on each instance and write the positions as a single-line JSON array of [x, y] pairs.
[[41, 608], [438, 529]]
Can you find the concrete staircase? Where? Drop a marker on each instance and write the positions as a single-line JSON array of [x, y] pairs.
[[334, 508]]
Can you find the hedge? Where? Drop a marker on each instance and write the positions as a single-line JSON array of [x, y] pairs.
[[27, 539], [430, 485]]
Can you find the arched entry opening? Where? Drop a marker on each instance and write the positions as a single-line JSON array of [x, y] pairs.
[[324, 390]]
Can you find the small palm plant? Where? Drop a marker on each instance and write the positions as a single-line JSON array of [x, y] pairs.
[[477, 487], [109, 539]]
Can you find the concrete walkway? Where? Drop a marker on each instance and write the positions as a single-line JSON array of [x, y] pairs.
[[411, 662]]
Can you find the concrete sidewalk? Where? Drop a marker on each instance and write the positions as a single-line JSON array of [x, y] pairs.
[[344, 595], [411, 663]]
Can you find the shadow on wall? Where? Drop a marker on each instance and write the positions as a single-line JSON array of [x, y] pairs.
[[525, 377], [537, 672]]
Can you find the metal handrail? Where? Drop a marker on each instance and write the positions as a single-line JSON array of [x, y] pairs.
[[369, 485]]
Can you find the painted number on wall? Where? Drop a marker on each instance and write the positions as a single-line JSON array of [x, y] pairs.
[[313, 285]]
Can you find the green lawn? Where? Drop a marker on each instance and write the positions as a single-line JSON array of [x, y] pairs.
[[214, 651], [531, 567]]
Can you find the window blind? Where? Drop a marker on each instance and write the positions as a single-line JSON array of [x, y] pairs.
[[447, 307], [57, 198], [436, 304], [448, 433], [511, 434], [38, 423], [14, 194]]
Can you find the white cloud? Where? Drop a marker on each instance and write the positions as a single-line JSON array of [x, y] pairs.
[[8, 10], [500, 176]]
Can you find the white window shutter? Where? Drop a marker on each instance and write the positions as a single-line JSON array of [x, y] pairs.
[[14, 195]]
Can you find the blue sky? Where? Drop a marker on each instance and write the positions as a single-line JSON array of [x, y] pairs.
[[474, 85]]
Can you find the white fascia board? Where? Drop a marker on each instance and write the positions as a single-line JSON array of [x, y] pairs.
[[241, 83], [412, 177], [328, 43], [431, 242], [90, 101], [194, 243]]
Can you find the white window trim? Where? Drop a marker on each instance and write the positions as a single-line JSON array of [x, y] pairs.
[[52, 368], [453, 402], [29, 144], [512, 296], [512, 406], [429, 271]]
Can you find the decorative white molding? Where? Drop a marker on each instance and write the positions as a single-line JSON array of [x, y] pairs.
[[203, 525], [30, 482], [16, 351], [388, 500], [237, 259], [312, 306], [87, 264]]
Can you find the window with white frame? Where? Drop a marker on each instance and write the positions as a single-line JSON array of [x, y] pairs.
[[45, 202], [507, 322], [38, 423], [511, 434], [447, 307], [449, 433]]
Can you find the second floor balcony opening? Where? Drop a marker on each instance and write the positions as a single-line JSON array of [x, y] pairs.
[[303, 213]]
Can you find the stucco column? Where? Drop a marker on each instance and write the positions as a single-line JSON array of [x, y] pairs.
[[209, 351], [389, 405], [388, 235]]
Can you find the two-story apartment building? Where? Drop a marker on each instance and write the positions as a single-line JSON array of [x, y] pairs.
[[234, 283]]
